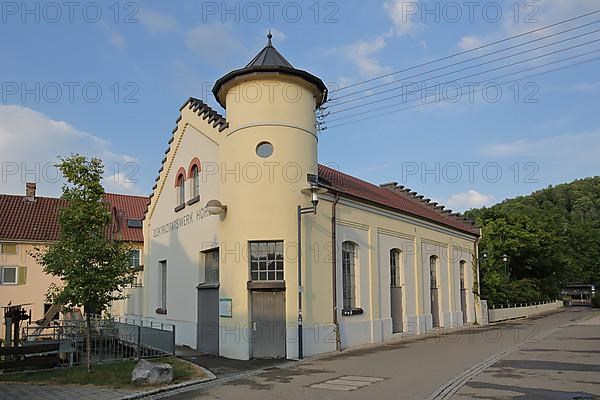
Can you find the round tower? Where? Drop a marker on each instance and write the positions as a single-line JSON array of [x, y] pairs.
[[270, 148]]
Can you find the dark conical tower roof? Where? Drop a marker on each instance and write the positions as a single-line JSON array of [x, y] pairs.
[[270, 60], [269, 56]]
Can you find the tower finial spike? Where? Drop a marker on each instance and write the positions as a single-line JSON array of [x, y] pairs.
[[269, 37]]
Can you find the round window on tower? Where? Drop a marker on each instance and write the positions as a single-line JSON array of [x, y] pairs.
[[264, 149]]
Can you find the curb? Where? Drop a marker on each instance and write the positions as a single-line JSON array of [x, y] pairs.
[[209, 377]]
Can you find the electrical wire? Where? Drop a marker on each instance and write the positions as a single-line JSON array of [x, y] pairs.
[[462, 62], [325, 127], [468, 76], [467, 51]]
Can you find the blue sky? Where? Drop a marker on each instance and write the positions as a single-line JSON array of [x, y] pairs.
[[148, 58]]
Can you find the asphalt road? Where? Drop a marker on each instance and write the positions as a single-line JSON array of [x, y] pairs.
[[554, 357]]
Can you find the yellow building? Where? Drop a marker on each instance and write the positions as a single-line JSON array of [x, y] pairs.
[[29, 222], [221, 233]]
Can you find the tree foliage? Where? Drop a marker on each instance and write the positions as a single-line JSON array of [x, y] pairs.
[[552, 238], [92, 265]]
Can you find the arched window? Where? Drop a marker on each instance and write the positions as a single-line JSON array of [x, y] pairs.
[[395, 257], [461, 270], [433, 272], [348, 275], [195, 181], [180, 189]]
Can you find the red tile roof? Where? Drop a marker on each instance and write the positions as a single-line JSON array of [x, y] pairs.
[[402, 202], [38, 220]]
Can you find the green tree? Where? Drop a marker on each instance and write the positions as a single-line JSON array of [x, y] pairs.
[[91, 263], [552, 238]]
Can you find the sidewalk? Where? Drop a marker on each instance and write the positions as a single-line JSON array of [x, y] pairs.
[[22, 391], [225, 367]]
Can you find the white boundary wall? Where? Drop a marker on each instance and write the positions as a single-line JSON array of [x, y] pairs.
[[502, 314]]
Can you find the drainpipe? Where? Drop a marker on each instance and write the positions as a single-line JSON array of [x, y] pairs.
[[338, 343]]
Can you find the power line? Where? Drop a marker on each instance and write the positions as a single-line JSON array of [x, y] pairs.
[[490, 80], [502, 84], [467, 51], [469, 76], [461, 62]]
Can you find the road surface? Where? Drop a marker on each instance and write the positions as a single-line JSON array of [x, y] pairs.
[[555, 356]]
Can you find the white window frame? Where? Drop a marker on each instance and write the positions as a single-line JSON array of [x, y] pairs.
[[462, 274], [395, 268], [349, 275], [195, 181], [139, 257], [180, 190], [5, 267], [433, 272], [267, 261], [163, 283]]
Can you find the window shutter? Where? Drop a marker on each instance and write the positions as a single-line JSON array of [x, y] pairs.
[[22, 276]]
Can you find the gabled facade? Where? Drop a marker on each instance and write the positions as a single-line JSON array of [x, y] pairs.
[[221, 233]]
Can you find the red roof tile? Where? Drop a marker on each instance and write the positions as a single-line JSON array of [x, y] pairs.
[[38, 220], [404, 203]]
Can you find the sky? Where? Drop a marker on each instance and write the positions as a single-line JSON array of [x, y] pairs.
[[106, 79]]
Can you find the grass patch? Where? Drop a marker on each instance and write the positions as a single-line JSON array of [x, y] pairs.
[[115, 375]]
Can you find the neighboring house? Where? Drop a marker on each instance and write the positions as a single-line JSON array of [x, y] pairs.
[[221, 232], [27, 222]]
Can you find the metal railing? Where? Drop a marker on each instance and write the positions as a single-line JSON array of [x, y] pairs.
[[111, 339], [514, 305]]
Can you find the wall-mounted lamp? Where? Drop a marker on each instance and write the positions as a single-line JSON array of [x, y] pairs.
[[314, 191], [214, 207]]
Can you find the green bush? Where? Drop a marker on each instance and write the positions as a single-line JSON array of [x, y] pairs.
[[596, 301]]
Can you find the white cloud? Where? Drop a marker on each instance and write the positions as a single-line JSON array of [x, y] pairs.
[[402, 13], [30, 143], [117, 40], [156, 21], [578, 147], [469, 42], [215, 43], [529, 16], [363, 55], [469, 199]]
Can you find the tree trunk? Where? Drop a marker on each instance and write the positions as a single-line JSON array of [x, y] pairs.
[[88, 325]]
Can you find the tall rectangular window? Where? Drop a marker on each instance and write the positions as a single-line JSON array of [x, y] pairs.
[[163, 284], [395, 268], [266, 261], [348, 275], [461, 267], [433, 272], [211, 266]]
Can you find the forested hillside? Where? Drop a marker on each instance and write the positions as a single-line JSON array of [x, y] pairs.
[[551, 237]]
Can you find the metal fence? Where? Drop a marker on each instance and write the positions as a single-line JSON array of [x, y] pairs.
[[111, 339], [514, 311]]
